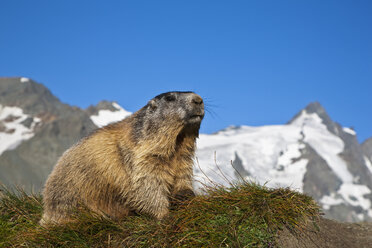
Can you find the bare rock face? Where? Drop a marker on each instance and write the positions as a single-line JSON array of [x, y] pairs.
[[367, 148]]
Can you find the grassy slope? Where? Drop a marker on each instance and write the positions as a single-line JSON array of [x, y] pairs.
[[245, 215]]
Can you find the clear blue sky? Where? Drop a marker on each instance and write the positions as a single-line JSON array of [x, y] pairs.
[[256, 62]]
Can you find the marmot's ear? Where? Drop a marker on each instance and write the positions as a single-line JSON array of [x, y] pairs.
[[152, 104]]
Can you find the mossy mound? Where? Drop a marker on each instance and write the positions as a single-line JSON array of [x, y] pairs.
[[245, 215]]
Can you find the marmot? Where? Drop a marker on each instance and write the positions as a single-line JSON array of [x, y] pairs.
[[136, 165]]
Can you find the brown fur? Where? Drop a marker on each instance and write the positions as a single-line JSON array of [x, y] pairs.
[[136, 165]]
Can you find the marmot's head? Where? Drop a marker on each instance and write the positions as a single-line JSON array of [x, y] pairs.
[[168, 110], [186, 107]]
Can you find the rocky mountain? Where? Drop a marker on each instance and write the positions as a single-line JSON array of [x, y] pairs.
[[311, 153], [36, 128]]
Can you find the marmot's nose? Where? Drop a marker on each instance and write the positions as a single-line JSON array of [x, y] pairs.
[[196, 99]]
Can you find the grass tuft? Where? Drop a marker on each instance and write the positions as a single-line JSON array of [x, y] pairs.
[[244, 215]]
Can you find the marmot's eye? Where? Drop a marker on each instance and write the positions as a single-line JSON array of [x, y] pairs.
[[170, 98]]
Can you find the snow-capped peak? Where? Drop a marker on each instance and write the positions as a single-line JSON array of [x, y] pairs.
[[349, 131], [24, 80], [273, 155], [105, 116], [325, 143]]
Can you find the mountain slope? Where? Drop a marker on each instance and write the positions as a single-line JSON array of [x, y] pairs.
[[367, 152], [311, 153], [43, 129]]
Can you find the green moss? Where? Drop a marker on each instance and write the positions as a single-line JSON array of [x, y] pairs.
[[245, 215]]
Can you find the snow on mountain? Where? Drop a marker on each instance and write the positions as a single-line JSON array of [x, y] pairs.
[[105, 116], [15, 127], [266, 153], [273, 155], [326, 144], [368, 163], [24, 80], [349, 130]]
